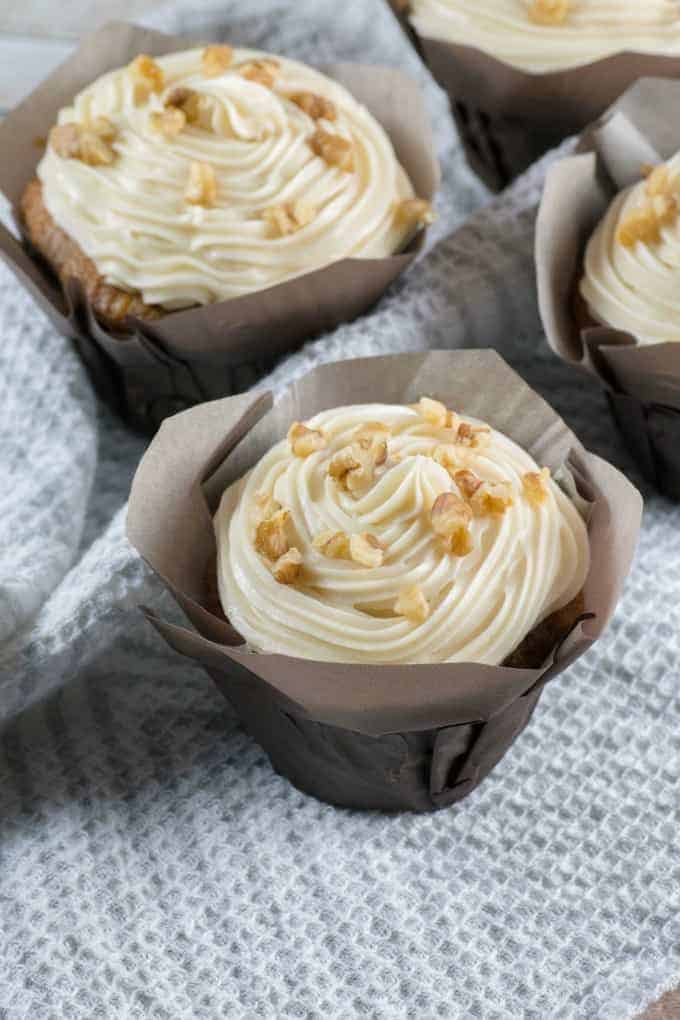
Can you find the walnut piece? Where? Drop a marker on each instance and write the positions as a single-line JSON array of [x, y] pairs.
[[658, 180], [475, 436], [287, 218], [215, 60], [201, 187], [288, 567], [446, 455], [433, 412], [169, 123], [353, 466], [271, 539], [415, 212], [333, 149], [373, 437], [491, 499], [412, 604], [264, 72], [535, 485], [549, 12], [333, 544], [73, 141], [644, 223], [316, 107], [366, 550], [103, 128], [304, 441], [147, 77], [467, 481], [450, 518]]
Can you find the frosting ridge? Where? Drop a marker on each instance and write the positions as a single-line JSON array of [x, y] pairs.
[[224, 183], [408, 565]]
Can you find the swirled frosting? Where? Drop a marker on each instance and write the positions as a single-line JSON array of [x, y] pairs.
[[631, 270], [132, 216], [523, 562], [588, 31]]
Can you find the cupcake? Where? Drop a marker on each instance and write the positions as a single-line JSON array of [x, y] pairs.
[[382, 589], [385, 534], [208, 209], [523, 74], [607, 243]]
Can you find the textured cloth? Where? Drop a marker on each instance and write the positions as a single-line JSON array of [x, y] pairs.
[[151, 862]]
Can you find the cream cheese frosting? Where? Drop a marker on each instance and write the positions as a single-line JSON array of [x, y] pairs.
[[631, 269], [540, 36], [407, 565], [274, 202]]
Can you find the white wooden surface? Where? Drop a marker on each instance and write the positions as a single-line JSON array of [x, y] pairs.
[[36, 35]]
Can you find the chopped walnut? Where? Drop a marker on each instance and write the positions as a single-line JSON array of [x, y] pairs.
[[286, 219], [103, 128], [304, 441], [201, 187], [169, 123], [412, 604], [146, 75], [94, 150], [334, 149], [199, 110], [549, 12], [354, 465], [467, 482], [644, 223], [346, 459], [65, 140], [366, 550], [178, 96], [270, 535], [658, 180], [288, 567], [450, 518], [333, 544], [215, 60], [535, 485], [491, 500], [373, 437], [433, 412], [316, 107], [264, 72], [415, 212], [475, 436], [72, 141]]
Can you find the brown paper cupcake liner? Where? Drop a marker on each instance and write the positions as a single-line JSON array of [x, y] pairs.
[[156, 368], [642, 381], [391, 737], [507, 118]]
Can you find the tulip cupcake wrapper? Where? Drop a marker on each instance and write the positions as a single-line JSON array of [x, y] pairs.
[[162, 366], [507, 118], [642, 382], [415, 737]]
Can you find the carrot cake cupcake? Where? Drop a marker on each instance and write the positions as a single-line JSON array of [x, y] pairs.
[[212, 173]]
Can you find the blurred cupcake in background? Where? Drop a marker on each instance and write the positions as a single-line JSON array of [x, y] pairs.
[[524, 74]]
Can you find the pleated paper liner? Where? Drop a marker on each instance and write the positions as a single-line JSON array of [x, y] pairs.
[[642, 381], [415, 737], [507, 118], [153, 369]]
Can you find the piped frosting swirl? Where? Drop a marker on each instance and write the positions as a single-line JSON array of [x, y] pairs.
[[632, 261], [447, 545], [221, 173], [540, 36]]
